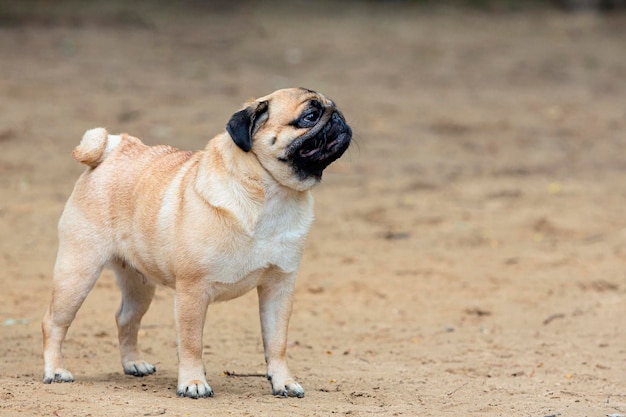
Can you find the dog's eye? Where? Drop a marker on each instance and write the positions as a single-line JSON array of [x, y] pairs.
[[309, 118], [312, 116]]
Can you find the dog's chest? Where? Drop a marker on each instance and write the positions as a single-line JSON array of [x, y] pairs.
[[279, 237], [277, 242], [281, 231]]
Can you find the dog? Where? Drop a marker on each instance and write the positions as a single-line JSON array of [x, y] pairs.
[[211, 224]]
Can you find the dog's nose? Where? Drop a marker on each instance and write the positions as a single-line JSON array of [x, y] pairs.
[[336, 120]]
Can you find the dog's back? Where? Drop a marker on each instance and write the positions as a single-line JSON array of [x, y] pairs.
[[96, 145]]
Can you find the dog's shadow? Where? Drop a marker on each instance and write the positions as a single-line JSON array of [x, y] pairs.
[[164, 382]]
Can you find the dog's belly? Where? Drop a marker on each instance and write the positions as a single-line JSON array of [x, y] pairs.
[[220, 291], [226, 274]]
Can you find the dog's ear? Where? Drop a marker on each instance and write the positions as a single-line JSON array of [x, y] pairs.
[[244, 123]]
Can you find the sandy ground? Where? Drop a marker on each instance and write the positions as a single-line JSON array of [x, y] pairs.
[[469, 251]]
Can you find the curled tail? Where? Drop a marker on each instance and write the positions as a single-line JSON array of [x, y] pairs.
[[94, 146]]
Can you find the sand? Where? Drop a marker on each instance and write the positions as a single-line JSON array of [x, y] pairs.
[[468, 255]]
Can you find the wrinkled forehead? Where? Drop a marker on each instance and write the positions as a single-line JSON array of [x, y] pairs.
[[292, 95], [291, 101]]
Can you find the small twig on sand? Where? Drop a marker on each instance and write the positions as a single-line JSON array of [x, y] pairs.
[[237, 374], [553, 317], [455, 390]]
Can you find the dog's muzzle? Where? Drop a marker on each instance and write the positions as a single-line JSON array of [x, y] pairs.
[[312, 152]]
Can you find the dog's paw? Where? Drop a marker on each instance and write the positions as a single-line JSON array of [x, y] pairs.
[[289, 388], [58, 375], [138, 368], [194, 389]]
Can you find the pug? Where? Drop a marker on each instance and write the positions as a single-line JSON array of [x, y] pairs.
[[211, 224]]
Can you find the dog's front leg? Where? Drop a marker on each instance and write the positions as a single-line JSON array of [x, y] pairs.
[[275, 300], [191, 305]]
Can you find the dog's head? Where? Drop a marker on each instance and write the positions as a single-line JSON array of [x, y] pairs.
[[295, 133]]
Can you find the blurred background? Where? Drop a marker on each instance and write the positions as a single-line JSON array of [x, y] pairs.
[[468, 252]]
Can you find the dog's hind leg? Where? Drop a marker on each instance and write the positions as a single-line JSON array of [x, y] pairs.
[[137, 294], [77, 269]]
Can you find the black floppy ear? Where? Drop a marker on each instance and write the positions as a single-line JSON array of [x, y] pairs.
[[242, 124], [238, 128]]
